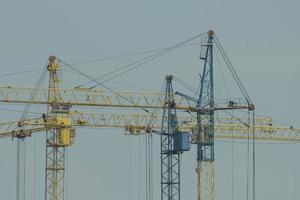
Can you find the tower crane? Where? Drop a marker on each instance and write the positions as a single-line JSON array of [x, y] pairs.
[[61, 120], [138, 124], [141, 124]]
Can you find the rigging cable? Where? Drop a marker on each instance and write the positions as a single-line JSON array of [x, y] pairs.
[[94, 80], [232, 116], [128, 55], [20, 72], [83, 74], [20, 111], [155, 112], [222, 73], [96, 60], [184, 84], [38, 84], [140, 62], [233, 72]]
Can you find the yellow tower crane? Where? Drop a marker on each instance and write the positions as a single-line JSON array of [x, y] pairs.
[[141, 124], [60, 121]]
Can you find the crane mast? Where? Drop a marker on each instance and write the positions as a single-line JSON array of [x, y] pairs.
[[205, 135], [205, 129], [170, 158], [56, 139]]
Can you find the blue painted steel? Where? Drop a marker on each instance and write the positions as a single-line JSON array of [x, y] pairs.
[[170, 159], [172, 144], [205, 134], [182, 141]]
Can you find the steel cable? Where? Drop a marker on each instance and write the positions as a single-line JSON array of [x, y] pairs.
[[139, 62]]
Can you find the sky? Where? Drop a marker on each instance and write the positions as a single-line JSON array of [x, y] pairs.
[[261, 38]]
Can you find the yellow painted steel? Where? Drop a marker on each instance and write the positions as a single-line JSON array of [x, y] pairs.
[[63, 124], [65, 136], [59, 121], [56, 138], [101, 98], [52, 65], [225, 128], [206, 180], [60, 124]]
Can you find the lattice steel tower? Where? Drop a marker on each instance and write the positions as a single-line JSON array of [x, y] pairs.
[[170, 158], [173, 143], [56, 139], [205, 133]]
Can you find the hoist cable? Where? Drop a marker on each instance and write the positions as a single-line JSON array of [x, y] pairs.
[[34, 168], [21, 146], [248, 157], [146, 165], [129, 166], [139, 167], [254, 158], [24, 169], [232, 163], [151, 166], [18, 171], [21, 170]]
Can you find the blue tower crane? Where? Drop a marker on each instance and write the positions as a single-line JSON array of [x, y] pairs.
[[204, 132], [173, 143]]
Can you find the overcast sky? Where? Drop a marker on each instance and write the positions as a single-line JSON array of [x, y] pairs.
[[261, 38]]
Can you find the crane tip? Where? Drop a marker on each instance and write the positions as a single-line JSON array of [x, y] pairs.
[[210, 33]]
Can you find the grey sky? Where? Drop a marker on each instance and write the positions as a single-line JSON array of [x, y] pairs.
[[260, 36]]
